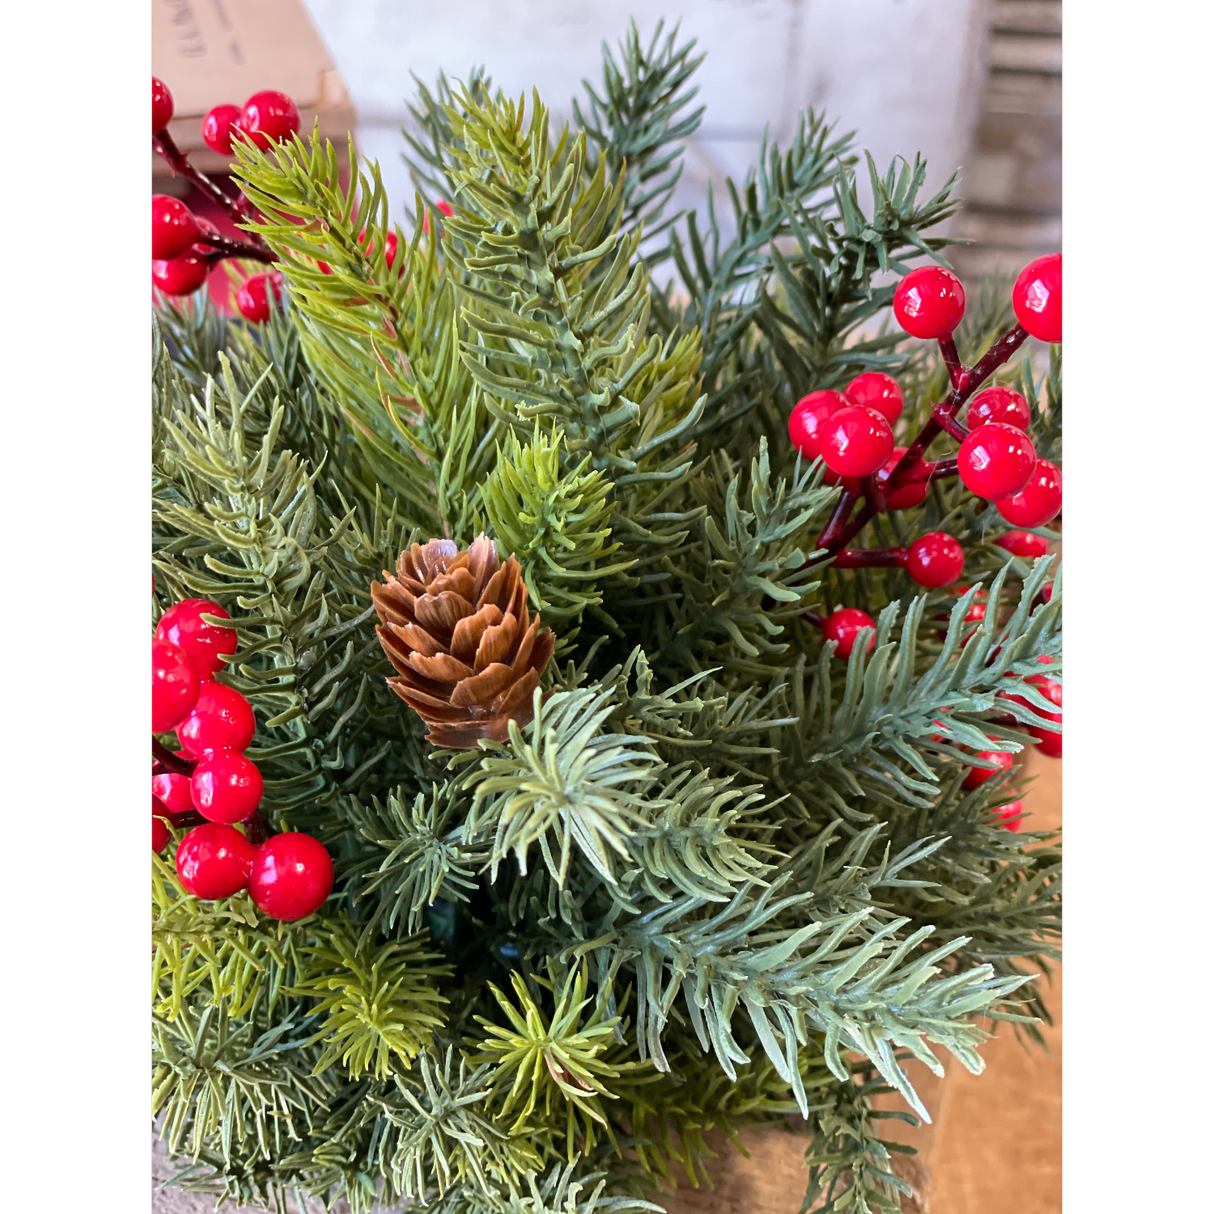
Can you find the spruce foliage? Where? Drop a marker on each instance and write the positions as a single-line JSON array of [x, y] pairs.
[[723, 877]]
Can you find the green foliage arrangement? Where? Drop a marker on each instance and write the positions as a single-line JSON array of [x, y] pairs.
[[722, 877]]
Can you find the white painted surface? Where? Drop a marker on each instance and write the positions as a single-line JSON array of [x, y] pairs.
[[903, 73]]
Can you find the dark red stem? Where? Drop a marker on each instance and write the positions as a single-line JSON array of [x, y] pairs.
[[224, 248], [170, 762], [952, 360], [870, 558], [239, 209], [839, 531]]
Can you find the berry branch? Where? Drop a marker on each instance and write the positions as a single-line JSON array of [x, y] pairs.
[[852, 431], [185, 246]]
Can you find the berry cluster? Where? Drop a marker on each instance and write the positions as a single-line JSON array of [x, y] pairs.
[[209, 781], [852, 432], [184, 245]]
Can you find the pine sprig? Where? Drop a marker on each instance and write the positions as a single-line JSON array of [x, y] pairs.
[[380, 1002]]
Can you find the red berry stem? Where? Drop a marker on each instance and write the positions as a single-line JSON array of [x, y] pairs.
[[948, 423], [816, 618], [870, 558], [168, 761], [222, 247], [910, 468], [239, 209], [874, 493], [952, 360], [971, 378]]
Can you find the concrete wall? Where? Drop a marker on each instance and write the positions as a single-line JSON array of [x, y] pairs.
[[906, 74]]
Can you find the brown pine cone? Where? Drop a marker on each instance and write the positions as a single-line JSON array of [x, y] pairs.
[[456, 627]]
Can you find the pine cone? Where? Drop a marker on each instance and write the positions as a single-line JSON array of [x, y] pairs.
[[455, 626]]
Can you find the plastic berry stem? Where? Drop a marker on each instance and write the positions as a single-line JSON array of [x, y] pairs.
[[952, 360], [238, 209], [839, 531], [870, 558], [170, 762], [223, 247]]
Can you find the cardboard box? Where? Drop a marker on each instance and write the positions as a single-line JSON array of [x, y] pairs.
[[213, 51]]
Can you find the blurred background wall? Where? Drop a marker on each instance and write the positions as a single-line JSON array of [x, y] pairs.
[[971, 84]]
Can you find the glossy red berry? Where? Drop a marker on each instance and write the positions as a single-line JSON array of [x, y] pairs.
[[219, 126], [980, 775], [269, 117], [222, 720], [214, 861], [1022, 543], [225, 787], [253, 298], [174, 227], [929, 302], [935, 559], [909, 495], [389, 241], [292, 876], [998, 405], [878, 391], [181, 276], [996, 460], [175, 685], [844, 627], [1009, 816], [1037, 298], [208, 645], [172, 790], [160, 833], [808, 417], [856, 441], [162, 106], [1039, 501]]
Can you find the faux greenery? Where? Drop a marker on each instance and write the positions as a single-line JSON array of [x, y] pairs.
[[723, 877]]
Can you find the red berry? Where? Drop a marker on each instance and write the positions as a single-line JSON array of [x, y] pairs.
[[1022, 543], [214, 861], [269, 117], [808, 416], [292, 876], [980, 775], [172, 790], [996, 460], [174, 685], [225, 786], [181, 276], [218, 127], [929, 302], [253, 298], [1009, 816], [1037, 298], [222, 720], [878, 391], [205, 228], [909, 495], [935, 559], [174, 227], [856, 441], [389, 242], [208, 645], [1046, 593], [844, 626], [998, 405], [160, 834], [1048, 742], [1039, 501], [162, 106]]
